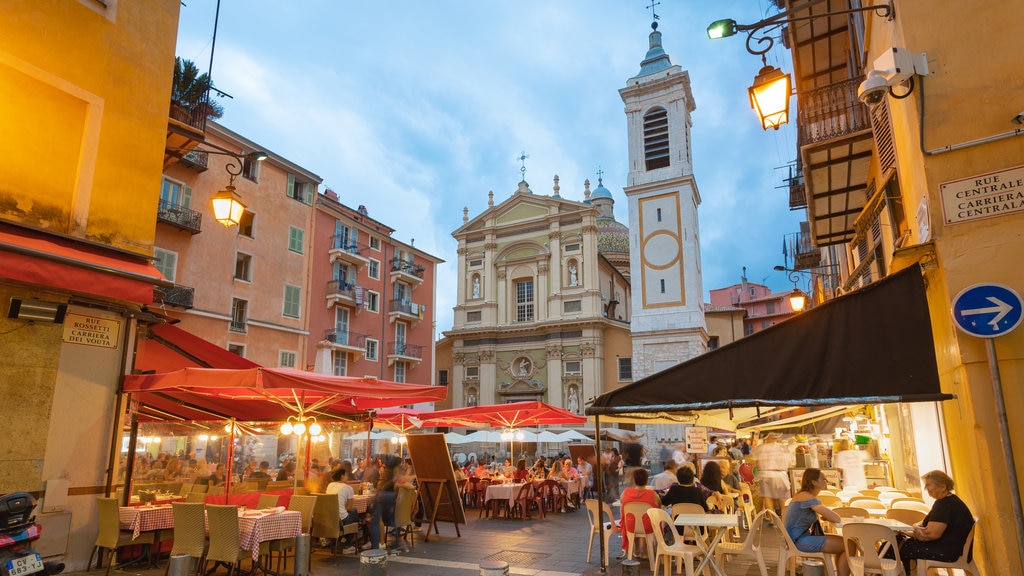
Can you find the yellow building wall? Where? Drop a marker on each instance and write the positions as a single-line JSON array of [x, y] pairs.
[[974, 89], [617, 343], [84, 97]]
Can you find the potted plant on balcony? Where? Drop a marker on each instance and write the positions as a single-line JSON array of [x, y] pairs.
[[190, 95]]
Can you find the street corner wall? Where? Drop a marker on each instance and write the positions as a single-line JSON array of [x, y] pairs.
[[28, 373]]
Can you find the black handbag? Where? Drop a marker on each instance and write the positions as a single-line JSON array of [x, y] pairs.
[[816, 529]]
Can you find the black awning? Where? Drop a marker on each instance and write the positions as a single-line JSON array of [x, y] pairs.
[[870, 346]]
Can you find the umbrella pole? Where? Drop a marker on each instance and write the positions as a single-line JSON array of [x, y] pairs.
[[599, 483], [231, 461], [305, 465]]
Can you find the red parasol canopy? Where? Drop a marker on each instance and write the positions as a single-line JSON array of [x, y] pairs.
[[400, 419], [512, 415], [266, 394]]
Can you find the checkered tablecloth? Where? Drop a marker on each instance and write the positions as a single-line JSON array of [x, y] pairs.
[[255, 529], [359, 503], [140, 519]]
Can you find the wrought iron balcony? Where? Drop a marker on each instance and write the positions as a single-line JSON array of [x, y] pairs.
[[405, 350], [800, 247], [346, 339], [181, 296], [346, 250], [832, 112], [407, 267], [239, 326], [196, 160], [179, 216], [192, 116]]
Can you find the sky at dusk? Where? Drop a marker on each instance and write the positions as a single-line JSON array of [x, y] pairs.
[[416, 109]]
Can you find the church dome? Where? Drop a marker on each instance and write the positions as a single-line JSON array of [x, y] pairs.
[[612, 236], [600, 191]]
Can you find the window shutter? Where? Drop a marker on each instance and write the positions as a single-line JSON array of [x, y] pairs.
[[291, 186], [186, 196], [308, 189]]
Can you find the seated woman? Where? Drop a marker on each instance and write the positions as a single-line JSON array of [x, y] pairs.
[[687, 491], [803, 513], [521, 474], [943, 532], [713, 480], [639, 492], [539, 472], [217, 478]]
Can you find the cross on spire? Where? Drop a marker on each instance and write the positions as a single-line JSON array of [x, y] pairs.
[[653, 4], [600, 173], [522, 158]]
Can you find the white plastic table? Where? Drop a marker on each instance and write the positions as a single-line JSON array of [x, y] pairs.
[[717, 521]]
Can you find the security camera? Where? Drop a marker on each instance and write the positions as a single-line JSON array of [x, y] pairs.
[[873, 90], [1019, 118]]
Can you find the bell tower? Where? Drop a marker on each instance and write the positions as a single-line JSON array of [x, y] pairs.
[[668, 324]]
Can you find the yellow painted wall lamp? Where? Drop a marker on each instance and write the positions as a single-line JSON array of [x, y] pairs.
[[227, 204], [769, 95]]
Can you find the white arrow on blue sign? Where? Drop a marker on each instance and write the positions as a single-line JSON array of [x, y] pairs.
[[987, 310]]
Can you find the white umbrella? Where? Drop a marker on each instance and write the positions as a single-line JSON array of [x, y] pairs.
[[572, 435], [549, 436], [456, 438], [621, 435]]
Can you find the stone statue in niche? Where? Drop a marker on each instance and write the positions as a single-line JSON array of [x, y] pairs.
[[476, 286], [573, 403], [524, 368], [573, 277]]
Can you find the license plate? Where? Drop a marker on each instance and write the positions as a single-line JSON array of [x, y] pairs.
[[25, 565]]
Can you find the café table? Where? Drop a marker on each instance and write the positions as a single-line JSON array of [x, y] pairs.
[[360, 502], [716, 521], [499, 493], [256, 526], [141, 519]]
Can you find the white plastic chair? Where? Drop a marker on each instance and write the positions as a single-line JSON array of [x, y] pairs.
[[610, 526], [910, 517], [962, 563], [864, 542], [660, 520], [637, 510], [788, 551], [750, 547], [911, 505]]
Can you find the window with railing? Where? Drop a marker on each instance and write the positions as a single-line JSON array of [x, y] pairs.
[[524, 301], [239, 313]]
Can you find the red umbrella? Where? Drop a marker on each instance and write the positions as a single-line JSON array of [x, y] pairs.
[[512, 415]]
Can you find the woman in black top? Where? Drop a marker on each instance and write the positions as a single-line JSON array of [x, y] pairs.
[[943, 532]]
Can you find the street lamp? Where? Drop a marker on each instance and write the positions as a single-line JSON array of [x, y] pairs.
[[227, 204], [769, 95], [793, 275]]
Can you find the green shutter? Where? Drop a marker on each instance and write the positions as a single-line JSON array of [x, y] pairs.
[[291, 186], [295, 239], [186, 196], [308, 188]]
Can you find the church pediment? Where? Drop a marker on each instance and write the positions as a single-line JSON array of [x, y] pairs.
[[522, 211]]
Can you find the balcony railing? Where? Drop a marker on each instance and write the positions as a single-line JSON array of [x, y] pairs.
[[194, 116], [179, 216], [196, 160], [800, 247], [405, 349], [183, 296], [238, 326], [832, 112], [341, 288], [346, 338], [343, 243], [407, 267], [406, 307]]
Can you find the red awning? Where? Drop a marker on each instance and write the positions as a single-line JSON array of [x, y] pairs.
[[170, 348], [269, 394], [44, 259]]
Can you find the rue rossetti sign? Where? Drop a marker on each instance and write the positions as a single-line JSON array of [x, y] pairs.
[[91, 331], [983, 196]]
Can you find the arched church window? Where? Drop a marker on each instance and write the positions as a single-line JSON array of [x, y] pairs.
[[656, 151]]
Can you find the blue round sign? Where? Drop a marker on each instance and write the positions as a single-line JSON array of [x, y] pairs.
[[987, 310]]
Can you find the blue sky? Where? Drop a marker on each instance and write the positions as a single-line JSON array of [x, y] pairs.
[[417, 109]]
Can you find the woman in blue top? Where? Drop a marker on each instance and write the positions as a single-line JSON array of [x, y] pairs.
[[803, 512]]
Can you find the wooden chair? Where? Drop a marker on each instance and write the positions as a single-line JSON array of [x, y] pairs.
[[965, 562], [610, 526], [267, 501], [864, 544], [679, 550], [224, 539], [189, 532], [111, 538], [750, 547], [789, 553], [637, 510], [906, 516]]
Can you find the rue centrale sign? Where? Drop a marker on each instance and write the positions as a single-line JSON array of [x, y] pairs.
[[983, 196]]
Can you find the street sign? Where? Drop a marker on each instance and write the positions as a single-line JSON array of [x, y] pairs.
[[987, 310]]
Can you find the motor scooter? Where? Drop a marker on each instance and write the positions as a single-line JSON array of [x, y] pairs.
[[17, 531]]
